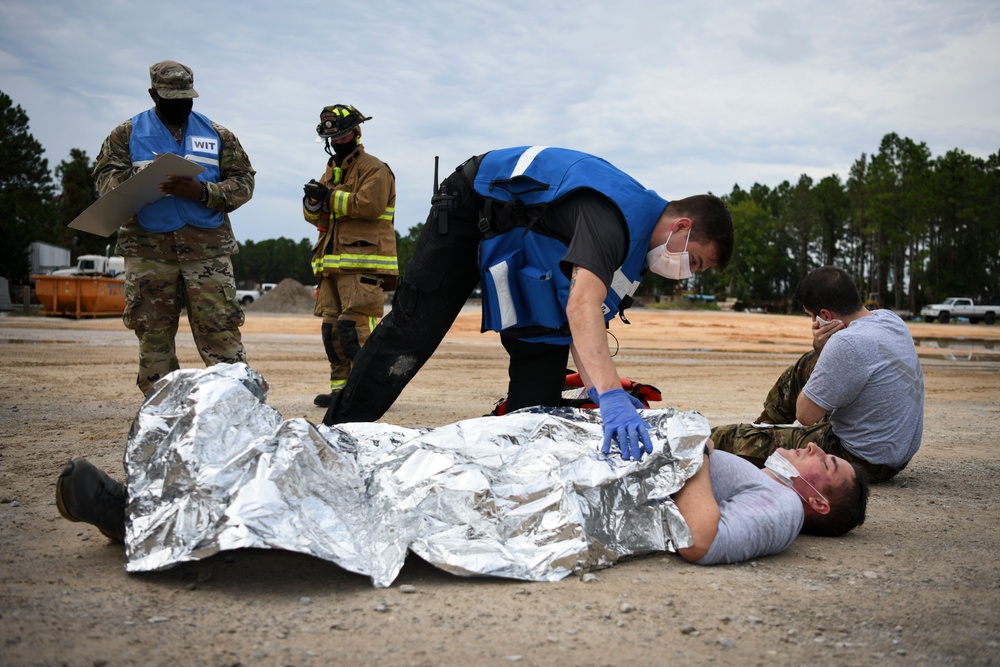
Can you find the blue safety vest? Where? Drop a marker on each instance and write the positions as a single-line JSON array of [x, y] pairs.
[[524, 290], [200, 143]]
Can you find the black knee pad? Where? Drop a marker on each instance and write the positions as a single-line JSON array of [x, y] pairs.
[[331, 351], [347, 331]]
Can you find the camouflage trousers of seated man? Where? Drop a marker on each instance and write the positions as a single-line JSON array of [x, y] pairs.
[[157, 291], [773, 428]]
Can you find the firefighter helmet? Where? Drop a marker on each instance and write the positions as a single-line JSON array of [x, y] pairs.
[[338, 120]]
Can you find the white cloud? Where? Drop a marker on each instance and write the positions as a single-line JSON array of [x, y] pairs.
[[686, 96]]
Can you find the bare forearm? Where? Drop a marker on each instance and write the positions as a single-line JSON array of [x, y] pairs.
[[586, 324], [807, 412], [590, 353], [697, 504]]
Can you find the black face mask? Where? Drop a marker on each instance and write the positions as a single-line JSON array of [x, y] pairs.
[[345, 149], [174, 112]]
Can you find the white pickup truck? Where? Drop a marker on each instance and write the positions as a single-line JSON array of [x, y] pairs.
[[959, 307], [248, 296]]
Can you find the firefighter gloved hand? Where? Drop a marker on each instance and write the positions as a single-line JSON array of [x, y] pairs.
[[592, 392], [317, 191], [623, 423]]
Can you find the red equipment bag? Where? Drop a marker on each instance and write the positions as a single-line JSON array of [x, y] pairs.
[[575, 394]]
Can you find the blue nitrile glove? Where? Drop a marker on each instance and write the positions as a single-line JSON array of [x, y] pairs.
[[623, 423], [592, 392]]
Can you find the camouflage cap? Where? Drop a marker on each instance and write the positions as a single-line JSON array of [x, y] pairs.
[[172, 80]]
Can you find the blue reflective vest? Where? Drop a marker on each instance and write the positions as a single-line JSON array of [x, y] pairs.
[[200, 143], [524, 290]]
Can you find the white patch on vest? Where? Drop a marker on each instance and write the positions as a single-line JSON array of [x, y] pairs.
[[508, 314], [527, 157], [621, 285], [205, 144]]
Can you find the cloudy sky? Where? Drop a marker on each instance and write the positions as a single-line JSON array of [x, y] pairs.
[[687, 97]]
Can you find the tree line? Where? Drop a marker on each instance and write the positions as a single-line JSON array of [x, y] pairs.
[[911, 228], [274, 260], [32, 208]]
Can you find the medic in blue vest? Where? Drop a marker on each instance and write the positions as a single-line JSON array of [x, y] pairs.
[[559, 240]]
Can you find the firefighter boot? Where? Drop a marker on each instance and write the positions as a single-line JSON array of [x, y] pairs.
[[323, 400], [86, 493]]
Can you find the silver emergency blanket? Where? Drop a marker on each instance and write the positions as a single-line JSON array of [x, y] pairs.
[[211, 467]]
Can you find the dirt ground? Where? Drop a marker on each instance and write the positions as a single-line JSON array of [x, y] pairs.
[[918, 584]]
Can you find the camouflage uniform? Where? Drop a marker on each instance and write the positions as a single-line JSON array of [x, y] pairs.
[[757, 441], [187, 268]]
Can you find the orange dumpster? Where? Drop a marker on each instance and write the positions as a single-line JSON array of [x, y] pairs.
[[80, 296]]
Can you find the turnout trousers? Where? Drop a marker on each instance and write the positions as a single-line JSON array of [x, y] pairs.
[[437, 282], [350, 304]]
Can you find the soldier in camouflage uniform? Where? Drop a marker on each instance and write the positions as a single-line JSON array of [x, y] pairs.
[[177, 249], [758, 440], [352, 208], [858, 394]]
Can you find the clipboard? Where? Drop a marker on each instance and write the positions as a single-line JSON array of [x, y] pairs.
[[114, 209]]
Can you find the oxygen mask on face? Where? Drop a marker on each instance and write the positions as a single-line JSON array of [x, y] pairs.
[[786, 473]]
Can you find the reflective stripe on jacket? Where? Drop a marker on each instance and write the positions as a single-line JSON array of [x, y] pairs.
[[356, 235]]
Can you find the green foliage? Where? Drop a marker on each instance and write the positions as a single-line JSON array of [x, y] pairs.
[[910, 228], [680, 303], [25, 192], [832, 207], [77, 192], [763, 265], [272, 261], [965, 208]]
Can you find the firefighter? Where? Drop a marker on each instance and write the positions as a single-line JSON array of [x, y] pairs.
[[354, 258]]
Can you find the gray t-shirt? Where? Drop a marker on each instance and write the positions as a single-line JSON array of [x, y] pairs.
[[870, 377], [758, 515]]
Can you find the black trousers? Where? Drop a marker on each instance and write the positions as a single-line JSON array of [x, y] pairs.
[[437, 283]]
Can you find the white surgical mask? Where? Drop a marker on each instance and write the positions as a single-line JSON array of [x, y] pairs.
[[673, 265], [784, 471]]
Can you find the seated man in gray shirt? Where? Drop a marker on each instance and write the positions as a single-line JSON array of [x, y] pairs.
[[737, 512], [858, 394]]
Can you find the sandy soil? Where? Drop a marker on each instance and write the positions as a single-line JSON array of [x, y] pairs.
[[919, 583]]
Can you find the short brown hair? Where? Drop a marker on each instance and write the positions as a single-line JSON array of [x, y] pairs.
[[829, 287], [713, 223], [848, 504]]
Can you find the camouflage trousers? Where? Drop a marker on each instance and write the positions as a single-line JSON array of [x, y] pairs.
[[773, 429], [156, 291], [350, 305]]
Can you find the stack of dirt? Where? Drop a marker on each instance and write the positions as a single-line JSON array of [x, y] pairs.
[[288, 296]]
